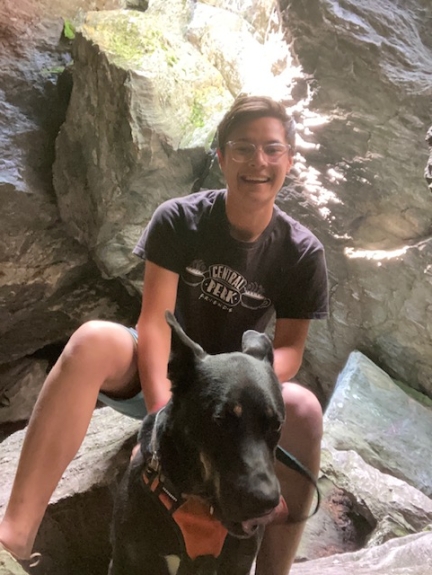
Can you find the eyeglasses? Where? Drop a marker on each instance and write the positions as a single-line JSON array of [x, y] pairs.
[[244, 151]]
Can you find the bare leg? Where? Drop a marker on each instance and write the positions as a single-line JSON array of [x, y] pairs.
[[301, 436], [100, 355]]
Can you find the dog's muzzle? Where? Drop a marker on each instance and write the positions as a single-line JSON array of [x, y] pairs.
[[278, 515]]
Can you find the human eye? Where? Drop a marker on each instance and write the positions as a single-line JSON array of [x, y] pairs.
[[274, 150], [242, 147]]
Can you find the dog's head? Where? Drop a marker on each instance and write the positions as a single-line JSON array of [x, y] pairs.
[[227, 412]]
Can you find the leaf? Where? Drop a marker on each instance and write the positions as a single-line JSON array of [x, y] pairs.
[[69, 30]]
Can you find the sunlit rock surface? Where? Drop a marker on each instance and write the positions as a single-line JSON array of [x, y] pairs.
[[357, 78]]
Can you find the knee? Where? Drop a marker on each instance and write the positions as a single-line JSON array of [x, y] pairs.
[[304, 417], [93, 341]]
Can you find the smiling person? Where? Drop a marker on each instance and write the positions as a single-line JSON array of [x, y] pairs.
[[223, 261]]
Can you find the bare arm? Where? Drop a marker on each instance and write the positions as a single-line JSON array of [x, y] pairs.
[[289, 343], [154, 334]]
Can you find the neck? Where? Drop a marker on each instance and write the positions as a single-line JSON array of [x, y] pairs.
[[247, 223]]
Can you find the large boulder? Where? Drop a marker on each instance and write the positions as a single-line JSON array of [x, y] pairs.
[[49, 284], [74, 536], [374, 479], [370, 414], [360, 180], [405, 556]]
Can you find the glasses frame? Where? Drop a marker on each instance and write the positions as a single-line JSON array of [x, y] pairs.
[[287, 147]]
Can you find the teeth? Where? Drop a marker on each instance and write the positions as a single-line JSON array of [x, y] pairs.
[[260, 180]]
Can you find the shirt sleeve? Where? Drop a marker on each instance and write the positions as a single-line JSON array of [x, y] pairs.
[[163, 238], [304, 293]]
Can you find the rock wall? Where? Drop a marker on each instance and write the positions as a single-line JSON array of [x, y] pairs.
[[367, 67], [355, 77], [128, 123]]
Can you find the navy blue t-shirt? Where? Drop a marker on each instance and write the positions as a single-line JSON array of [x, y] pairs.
[[227, 286]]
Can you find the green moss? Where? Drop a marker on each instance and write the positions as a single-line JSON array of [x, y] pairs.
[[68, 30], [55, 71], [197, 117], [128, 41], [172, 60], [417, 395]]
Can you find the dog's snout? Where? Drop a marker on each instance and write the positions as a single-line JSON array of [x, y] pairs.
[[263, 494], [255, 496]]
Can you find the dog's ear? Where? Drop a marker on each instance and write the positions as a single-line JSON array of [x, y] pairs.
[[182, 361], [182, 338], [258, 345]]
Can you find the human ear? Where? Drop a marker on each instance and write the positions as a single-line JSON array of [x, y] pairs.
[[289, 163], [221, 158]]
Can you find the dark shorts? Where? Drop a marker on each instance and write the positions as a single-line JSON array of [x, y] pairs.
[[133, 407]]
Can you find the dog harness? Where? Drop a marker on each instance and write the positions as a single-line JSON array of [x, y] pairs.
[[202, 533]]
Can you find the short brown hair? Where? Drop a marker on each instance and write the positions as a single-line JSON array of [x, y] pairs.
[[247, 108]]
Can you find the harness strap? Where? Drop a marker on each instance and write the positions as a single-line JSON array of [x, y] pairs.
[[202, 533], [157, 485], [293, 463]]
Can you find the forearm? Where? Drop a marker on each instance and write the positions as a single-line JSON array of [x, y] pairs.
[[154, 334], [287, 362], [289, 343], [153, 354]]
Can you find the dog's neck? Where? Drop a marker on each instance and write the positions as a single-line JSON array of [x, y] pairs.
[[180, 462]]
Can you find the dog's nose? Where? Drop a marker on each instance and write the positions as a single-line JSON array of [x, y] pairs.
[[258, 497], [263, 494]]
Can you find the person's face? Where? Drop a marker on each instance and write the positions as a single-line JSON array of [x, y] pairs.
[[261, 177]]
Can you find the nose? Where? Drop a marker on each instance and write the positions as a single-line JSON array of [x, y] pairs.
[[259, 157]]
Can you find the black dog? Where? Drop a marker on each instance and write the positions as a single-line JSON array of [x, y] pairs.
[[205, 465]]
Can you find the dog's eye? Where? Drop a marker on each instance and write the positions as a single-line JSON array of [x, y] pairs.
[[229, 417], [274, 430]]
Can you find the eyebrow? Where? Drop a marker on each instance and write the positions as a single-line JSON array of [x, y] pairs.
[[249, 141]]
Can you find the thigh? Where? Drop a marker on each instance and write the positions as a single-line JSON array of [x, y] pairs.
[[302, 429]]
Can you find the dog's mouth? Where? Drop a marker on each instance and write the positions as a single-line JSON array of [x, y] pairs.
[[245, 529]]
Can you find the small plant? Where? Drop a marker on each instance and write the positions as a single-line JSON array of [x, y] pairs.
[[68, 30], [197, 114]]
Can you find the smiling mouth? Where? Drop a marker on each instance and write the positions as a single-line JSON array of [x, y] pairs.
[[251, 180]]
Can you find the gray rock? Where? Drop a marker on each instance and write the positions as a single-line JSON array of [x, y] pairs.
[[20, 384], [410, 555], [370, 414], [361, 172], [8, 566], [368, 443], [119, 157], [428, 169], [251, 35], [48, 283], [74, 535], [390, 506], [97, 462]]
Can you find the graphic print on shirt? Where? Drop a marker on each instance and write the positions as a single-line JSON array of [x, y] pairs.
[[225, 287]]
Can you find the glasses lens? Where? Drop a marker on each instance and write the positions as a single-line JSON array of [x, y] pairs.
[[274, 151], [245, 151], [241, 151]]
